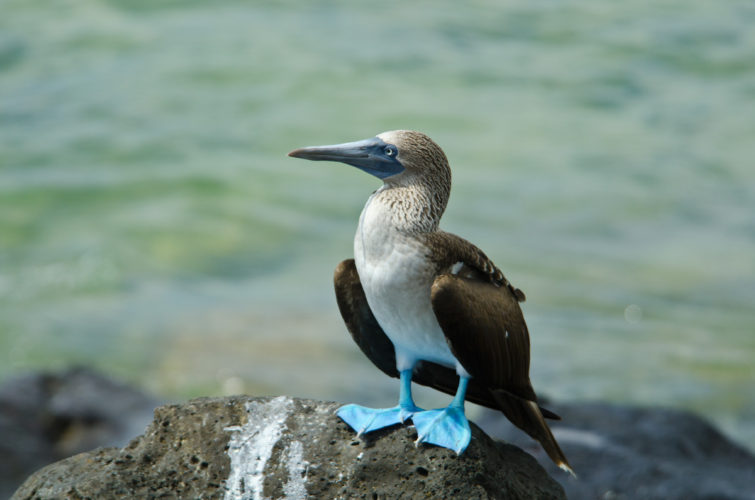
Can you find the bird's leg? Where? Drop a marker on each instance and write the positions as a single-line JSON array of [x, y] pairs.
[[446, 427], [405, 400], [364, 420]]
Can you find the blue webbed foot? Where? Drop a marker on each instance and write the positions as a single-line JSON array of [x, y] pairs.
[[446, 427], [363, 419]]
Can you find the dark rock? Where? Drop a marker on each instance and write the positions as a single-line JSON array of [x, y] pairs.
[[621, 452], [244, 447], [48, 416]]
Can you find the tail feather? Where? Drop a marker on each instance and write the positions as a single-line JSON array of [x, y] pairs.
[[527, 416]]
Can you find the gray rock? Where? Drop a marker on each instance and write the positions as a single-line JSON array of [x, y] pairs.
[[48, 416], [243, 447], [627, 453]]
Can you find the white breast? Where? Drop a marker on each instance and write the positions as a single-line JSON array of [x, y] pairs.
[[396, 279]]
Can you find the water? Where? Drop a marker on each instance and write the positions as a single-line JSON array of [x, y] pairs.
[[152, 226]]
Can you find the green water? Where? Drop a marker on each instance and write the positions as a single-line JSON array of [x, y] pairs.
[[152, 226]]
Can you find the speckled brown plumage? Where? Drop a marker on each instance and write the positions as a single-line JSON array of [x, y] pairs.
[[446, 249]]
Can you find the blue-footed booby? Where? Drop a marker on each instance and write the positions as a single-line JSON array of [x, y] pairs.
[[427, 306]]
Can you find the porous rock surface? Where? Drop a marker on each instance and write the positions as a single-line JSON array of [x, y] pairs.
[[248, 448]]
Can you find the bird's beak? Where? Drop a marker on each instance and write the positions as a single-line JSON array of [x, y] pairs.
[[344, 153], [369, 155]]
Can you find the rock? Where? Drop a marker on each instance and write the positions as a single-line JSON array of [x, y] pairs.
[[622, 452], [242, 447], [48, 416]]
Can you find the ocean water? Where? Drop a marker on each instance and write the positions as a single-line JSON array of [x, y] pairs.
[[152, 226]]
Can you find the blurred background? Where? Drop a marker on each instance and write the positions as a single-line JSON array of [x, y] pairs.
[[152, 227]]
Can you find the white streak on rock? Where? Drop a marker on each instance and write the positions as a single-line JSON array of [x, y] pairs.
[[251, 446], [296, 486]]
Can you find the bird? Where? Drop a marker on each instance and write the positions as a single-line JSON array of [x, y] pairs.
[[427, 306]]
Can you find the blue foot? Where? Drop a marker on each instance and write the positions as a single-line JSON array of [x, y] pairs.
[[447, 427], [364, 420]]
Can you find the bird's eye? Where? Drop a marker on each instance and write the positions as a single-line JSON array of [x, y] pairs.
[[389, 151]]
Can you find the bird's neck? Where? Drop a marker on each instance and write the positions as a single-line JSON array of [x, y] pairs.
[[407, 208]]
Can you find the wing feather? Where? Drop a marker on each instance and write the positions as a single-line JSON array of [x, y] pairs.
[[486, 332]]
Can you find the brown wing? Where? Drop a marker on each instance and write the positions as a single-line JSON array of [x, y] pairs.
[[486, 332]]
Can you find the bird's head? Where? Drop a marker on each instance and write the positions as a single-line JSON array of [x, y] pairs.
[[398, 157]]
